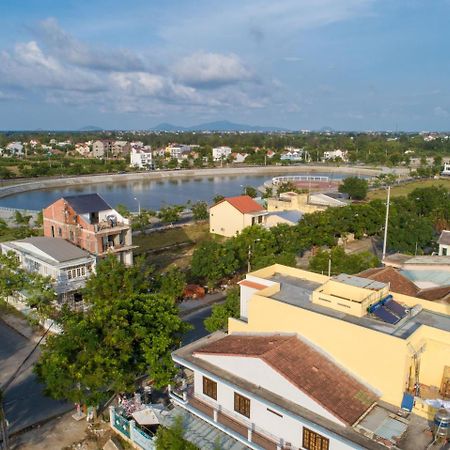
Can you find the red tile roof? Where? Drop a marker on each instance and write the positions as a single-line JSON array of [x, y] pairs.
[[398, 282], [403, 285], [243, 203], [306, 368], [252, 284]]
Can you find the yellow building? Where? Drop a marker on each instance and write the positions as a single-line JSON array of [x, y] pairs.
[[305, 203], [231, 215], [395, 343]]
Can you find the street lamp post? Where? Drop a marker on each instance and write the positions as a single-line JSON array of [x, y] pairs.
[[139, 205]]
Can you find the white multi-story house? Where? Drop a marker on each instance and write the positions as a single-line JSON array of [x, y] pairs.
[[178, 151], [15, 149], [219, 153], [334, 154], [141, 158], [83, 149], [295, 154], [67, 265]]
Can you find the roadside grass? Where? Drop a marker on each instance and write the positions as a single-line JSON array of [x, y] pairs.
[[405, 189], [174, 246]]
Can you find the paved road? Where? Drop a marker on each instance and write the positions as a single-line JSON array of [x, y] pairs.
[[196, 320], [25, 403]]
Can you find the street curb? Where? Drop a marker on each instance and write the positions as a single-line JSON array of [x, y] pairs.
[[9, 325]]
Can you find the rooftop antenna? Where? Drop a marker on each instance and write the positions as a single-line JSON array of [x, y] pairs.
[[386, 222]]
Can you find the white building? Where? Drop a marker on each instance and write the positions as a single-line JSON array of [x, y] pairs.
[[15, 149], [273, 391], [446, 170], [295, 154], [444, 243], [178, 151], [141, 158], [219, 153], [68, 266], [83, 149], [334, 154]]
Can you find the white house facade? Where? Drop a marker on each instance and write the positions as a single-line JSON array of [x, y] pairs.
[[141, 158], [67, 265], [222, 152]]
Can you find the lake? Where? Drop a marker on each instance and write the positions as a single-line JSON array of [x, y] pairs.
[[152, 194]]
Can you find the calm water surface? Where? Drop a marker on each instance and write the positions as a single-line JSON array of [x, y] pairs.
[[152, 194]]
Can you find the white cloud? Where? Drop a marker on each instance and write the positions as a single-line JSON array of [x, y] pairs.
[[211, 70], [71, 50], [440, 111]]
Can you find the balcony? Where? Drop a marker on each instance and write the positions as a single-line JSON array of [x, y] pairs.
[[108, 227], [237, 427], [116, 249]]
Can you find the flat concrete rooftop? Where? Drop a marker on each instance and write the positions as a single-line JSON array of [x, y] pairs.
[[297, 292]]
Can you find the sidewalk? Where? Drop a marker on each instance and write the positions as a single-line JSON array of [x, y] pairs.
[[19, 323]]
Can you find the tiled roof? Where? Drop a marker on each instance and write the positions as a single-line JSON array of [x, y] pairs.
[[243, 203], [306, 368], [252, 284], [444, 238], [398, 282], [401, 284]]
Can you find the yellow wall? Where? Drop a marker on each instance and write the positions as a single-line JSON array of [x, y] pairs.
[[381, 360], [225, 220], [297, 202]]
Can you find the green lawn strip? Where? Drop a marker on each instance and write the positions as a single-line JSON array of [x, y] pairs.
[[405, 189]]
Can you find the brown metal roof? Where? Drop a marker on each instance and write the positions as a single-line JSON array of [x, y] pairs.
[[305, 367]]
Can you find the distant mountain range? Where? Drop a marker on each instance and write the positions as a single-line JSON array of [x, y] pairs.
[[222, 125], [90, 128]]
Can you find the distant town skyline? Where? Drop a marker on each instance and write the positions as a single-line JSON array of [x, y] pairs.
[[296, 64]]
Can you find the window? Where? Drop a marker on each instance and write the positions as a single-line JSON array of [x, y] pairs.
[[210, 388], [314, 441], [59, 231], [71, 235], [53, 231], [260, 219], [242, 405]]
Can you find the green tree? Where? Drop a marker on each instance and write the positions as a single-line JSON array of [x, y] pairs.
[[126, 334], [21, 219], [355, 187], [218, 198], [172, 283], [200, 210], [213, 261], [40, 219], [173, 438], [342, 262], [170, 214], [123, 210], [250, 191], [218, 320]]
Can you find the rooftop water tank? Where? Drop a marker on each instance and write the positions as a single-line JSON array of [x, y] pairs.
[[441, 423]]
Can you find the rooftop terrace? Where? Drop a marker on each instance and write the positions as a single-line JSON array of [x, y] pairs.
[[298, 292]]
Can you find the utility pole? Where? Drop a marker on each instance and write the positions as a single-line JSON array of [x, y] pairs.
[[386, 222]]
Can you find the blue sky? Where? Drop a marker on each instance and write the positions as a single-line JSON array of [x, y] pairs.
[[299, 64]]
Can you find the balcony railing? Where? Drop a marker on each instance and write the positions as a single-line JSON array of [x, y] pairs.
[[228, 421]]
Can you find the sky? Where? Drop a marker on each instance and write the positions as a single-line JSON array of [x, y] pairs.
[[297, 64]]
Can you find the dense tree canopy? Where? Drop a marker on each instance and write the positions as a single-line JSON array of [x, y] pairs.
[[218, 320], [126, 333], [355, 187]]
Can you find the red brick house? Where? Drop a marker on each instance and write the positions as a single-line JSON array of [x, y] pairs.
[[91, 224]]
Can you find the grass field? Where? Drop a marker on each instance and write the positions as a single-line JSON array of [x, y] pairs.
[[154, 245], [194, 233], [405, 189]]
